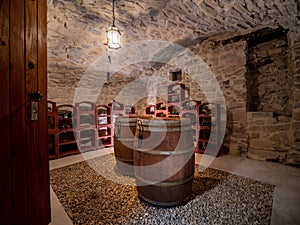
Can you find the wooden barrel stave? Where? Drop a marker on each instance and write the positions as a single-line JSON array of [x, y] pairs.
[[163, 166], [164, 175], [124, 137]]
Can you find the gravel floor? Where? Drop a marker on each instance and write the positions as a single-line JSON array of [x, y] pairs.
[[218, 198]]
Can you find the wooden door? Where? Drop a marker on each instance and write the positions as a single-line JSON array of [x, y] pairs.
[[24, 168]]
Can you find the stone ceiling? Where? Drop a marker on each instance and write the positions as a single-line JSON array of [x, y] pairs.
[[181, 19], [76, 26], [173, 20]]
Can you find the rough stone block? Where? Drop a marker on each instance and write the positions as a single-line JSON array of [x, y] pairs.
[[254, 128], [239, 114], [297, 125], [236, 105], [285, 119], [296, 95], [265, 155], [260, 115], [297, 146], [234, 149], [262, 144], [254, 135], [276, 127], [293, 159], [260, 122], [297, 135], [296, 114]]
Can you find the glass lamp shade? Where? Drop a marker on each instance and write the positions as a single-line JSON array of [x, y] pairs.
[[113, 38]]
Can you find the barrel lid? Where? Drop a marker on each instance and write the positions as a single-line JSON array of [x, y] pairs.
[[131, 118], [165, 121]]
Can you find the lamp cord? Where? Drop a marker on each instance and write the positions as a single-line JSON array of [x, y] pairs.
[[108, 65], [113, 11]]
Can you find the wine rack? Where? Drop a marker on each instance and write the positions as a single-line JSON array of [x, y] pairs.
[[104, 126], [209, 129]]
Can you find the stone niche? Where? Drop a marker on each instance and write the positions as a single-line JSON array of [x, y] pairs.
[[269, 82], [268, 77]]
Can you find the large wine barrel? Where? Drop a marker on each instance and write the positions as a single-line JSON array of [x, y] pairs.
[[164, 161], [124, 135]]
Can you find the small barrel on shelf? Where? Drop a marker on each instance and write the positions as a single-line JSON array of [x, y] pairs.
[[124, 135], [164, 161]]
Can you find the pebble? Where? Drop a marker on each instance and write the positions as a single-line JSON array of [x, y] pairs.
[[218, 198]]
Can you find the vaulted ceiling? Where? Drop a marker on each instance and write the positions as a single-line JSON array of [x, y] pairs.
[[175, 20], [77, 28], [171, 20]]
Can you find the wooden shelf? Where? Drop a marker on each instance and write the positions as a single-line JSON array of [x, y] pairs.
[[67, 152], [79, 127], [53, 144], [176, 93], [205, 127], [209, 129], [66, 142], [190, 105], [192, 115], [105, 124], [149, 110], [105, 142], [84, 115]]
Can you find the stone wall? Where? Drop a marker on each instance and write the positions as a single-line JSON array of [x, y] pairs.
[[260, 135], [228, 63], [74, 41], [294, 65], [136, 85]]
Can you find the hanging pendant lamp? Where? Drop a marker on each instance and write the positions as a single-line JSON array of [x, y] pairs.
[[113, 33]]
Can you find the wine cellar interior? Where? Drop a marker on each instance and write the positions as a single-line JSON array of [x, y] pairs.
[[251, 59], [246, 50], [193, 118]]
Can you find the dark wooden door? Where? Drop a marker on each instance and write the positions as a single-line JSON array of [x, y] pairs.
[[24, 170]]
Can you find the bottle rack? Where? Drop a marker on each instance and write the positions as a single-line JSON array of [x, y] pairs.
[[149, 110], [84, 115], [66, 138], [190, 110], [173, 110], [104, 126], [129, 110], [52, 130], [209, 128], [161, 109], [119, 109], [85, 125], [81, 127], [176, 93]]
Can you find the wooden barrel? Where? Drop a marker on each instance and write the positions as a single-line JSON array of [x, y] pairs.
[[164, 161], [124, 135]]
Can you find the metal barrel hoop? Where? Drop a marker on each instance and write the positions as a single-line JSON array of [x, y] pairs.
[[141, 130], [117, 134]]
